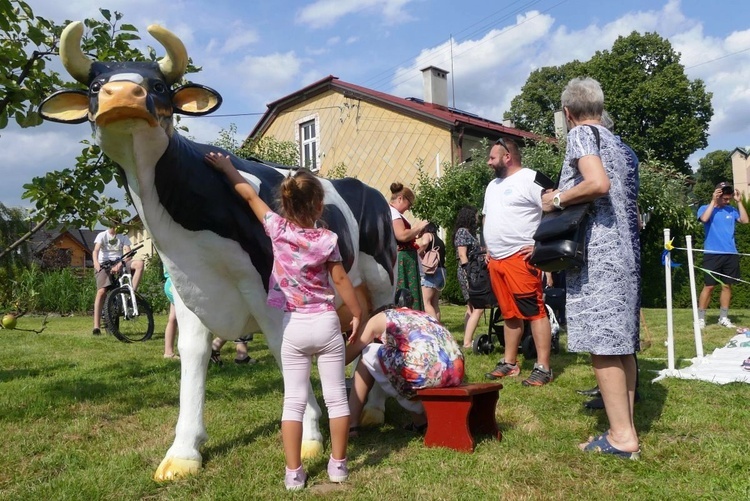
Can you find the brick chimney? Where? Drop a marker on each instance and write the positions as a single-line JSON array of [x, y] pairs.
[[435, 86]]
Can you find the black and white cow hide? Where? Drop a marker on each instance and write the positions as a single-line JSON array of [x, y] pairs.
[[214, 248]]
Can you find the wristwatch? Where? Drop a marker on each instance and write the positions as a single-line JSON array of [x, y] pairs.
[[556, 201]]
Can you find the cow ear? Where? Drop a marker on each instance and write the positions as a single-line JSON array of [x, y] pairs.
[[195, 100], [66, 106]]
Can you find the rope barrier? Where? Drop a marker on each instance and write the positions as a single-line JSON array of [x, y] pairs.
[[711, 252], [668, 248]]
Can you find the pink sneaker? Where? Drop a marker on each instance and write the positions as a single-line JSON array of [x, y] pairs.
[[295, 479], [337, 470]]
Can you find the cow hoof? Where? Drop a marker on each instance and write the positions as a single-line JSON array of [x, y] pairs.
[[372, 417], [311, 449], [171, 468]]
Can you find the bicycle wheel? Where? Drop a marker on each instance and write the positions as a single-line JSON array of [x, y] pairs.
[[121, 320]]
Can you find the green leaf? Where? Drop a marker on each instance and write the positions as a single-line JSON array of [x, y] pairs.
[[3, 120], [36, 35]]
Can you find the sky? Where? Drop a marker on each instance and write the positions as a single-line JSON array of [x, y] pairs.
[[255, 52]]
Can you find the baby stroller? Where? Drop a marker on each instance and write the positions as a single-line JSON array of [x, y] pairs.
[[554, 300]]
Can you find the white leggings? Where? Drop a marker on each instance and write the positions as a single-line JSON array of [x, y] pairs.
[[307, 335]]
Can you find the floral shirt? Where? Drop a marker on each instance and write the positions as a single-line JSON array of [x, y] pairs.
[[299, 279], [418, 352]]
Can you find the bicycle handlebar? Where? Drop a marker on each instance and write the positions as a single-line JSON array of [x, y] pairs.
[[125, 256]]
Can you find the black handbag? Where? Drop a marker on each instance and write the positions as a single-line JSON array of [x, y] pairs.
[[560, 240]]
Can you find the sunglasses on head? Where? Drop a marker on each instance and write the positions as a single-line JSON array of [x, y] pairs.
[[501, 142]]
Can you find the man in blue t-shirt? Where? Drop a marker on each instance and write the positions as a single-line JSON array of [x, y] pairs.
[[720, 257]]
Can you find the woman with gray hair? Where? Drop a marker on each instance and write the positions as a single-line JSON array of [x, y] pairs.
[[602, 296]]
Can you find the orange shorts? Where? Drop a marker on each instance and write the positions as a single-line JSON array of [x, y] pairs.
[[518, 288]]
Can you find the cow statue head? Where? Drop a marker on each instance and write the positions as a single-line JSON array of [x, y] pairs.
[[120, 91]]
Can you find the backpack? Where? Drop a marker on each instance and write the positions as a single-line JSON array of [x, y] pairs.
[[478, 277], [431, 258]]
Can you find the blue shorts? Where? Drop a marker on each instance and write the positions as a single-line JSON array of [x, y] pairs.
[[435, 280], [168, 290]]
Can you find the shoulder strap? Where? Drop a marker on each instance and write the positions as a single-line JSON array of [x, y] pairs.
[[595, 131], [596, 135]]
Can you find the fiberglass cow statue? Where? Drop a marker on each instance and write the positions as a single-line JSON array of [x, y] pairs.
[[215, 249]]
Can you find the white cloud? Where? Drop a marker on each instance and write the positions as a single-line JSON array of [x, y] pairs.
[[29, 153], [326, 13], [268, 75], [238, 39], [485, 71]]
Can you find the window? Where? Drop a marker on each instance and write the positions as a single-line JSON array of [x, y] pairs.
[[307, 138]]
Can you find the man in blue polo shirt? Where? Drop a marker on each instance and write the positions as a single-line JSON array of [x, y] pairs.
[[720, 256]]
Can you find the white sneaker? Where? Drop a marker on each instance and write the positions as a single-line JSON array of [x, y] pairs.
[[725, 322], [702, 323]]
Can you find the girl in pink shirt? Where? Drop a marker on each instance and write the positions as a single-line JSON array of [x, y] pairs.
[[304, 255]]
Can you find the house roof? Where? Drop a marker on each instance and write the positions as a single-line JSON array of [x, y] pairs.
[[46, 236], [448, 117]]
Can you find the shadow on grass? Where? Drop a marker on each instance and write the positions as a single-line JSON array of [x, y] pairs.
[[129, 386], [214, 450], [652, 399], [13, 374]]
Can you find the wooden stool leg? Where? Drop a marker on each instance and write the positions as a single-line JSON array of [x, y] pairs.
[[448, 424], [482, 417]]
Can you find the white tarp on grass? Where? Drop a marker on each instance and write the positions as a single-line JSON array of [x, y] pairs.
[[722, 366]]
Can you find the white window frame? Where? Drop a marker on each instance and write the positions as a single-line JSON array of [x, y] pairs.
[[314, 142]]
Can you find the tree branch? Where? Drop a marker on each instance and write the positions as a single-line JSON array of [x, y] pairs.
[[24, 238]]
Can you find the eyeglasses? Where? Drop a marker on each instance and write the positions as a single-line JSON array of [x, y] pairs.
[[501, 142]]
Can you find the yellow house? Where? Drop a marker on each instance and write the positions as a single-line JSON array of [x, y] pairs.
[[741, 169], [139, 236], [379, 138]]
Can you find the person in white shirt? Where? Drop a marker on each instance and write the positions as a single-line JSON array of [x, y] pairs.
[[109, 246], [512, 211]]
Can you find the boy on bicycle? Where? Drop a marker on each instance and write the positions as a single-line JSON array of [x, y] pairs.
[[110, 246]]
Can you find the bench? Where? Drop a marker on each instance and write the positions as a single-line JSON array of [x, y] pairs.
[[455, 415]]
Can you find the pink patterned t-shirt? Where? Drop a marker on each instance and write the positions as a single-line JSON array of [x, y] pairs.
[[299, 279]]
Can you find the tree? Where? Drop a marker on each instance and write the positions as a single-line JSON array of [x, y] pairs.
[[534, 108], [13, 225], [26, 44], [659, 112], [657, 109], [268, 148], [714, 168]]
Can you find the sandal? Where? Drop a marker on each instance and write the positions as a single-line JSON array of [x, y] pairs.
[[602, 446], [592, 438], [247, 360], [416, 428], [216, 357], [173, 355]]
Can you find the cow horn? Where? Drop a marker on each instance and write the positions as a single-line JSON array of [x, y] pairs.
[[174, 64], [73, 58]]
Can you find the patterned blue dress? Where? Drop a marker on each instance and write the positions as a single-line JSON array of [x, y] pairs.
[[602, 297]]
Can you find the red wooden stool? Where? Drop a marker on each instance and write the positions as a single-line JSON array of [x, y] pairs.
[[455, 415]]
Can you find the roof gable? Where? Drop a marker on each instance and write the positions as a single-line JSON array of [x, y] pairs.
[[417, 108]]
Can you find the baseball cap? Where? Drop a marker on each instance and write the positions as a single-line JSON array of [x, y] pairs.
[[725, 187]]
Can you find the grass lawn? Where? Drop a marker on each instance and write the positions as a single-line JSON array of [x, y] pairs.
[[86, 417]]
